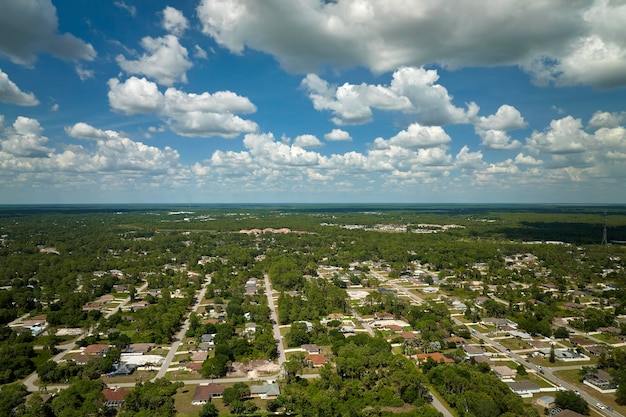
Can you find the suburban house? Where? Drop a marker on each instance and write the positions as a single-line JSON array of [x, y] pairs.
[[316, 360], [265, 391], [436, 356], [523, 388], [96, 350], [114, 397], [311, 349], [504, 373], [205, 393], [601, 380], [472, 351]]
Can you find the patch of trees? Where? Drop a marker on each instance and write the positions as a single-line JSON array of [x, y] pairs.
[[318, 299], [474, 391], [367, 380], [16, 355], [151, 399], [569, 400]]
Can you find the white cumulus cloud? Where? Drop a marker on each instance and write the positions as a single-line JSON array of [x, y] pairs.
[[337, 135], [411, 91], [25, 138], [11, 93], [188, 114], [174, 21], [165, 60]]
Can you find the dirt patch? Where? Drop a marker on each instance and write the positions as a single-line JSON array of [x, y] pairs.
[[253, 369]]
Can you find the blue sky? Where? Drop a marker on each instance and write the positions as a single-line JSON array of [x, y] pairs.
[[214, 101]]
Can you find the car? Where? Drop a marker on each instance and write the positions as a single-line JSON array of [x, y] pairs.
[[541, 371], [601, 406]]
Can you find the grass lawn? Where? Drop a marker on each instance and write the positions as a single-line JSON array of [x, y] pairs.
[[514, 343]]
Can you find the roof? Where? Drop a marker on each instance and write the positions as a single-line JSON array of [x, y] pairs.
[[436, 356], [503, 370], [97, 348], [311, 348], [265, 389], [523, 386], [317, 359], [472, 350], [115, 394], [206, 392]]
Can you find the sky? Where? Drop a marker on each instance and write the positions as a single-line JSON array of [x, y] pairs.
[[311, 101]]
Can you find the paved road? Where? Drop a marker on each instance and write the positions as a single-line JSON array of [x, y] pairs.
[[282, 358], [179, 336]]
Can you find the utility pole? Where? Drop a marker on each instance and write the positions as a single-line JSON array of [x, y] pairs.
[[604, 241]]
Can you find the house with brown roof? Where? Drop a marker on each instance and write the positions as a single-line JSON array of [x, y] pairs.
[[408, 335], [436, 356], [205, 393], [316, 360], [383, 316], [98, 349], [114, 397], [393, 327]]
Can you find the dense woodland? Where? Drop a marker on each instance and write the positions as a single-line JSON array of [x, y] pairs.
[[48, 257]]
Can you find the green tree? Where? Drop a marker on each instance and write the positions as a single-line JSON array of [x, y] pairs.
[[571, 401], [561, 333], [209, 410]]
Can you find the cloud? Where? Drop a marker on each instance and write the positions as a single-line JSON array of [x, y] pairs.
[[497, 140], [558, 41], [115, 152], [25, 139], [416, 136], [563, 137], [165, 60], [135, 95], [174, 21], [82, 130], [506, 118], [110, 158], [493, 129], [606, 119], [471, 161], [521, 159], [28, 27], [83, 73], [11, 93], [199, 52], [132, 10], [411, 91], [337, 135], [54, 107], [307, 141], [187, 114]]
